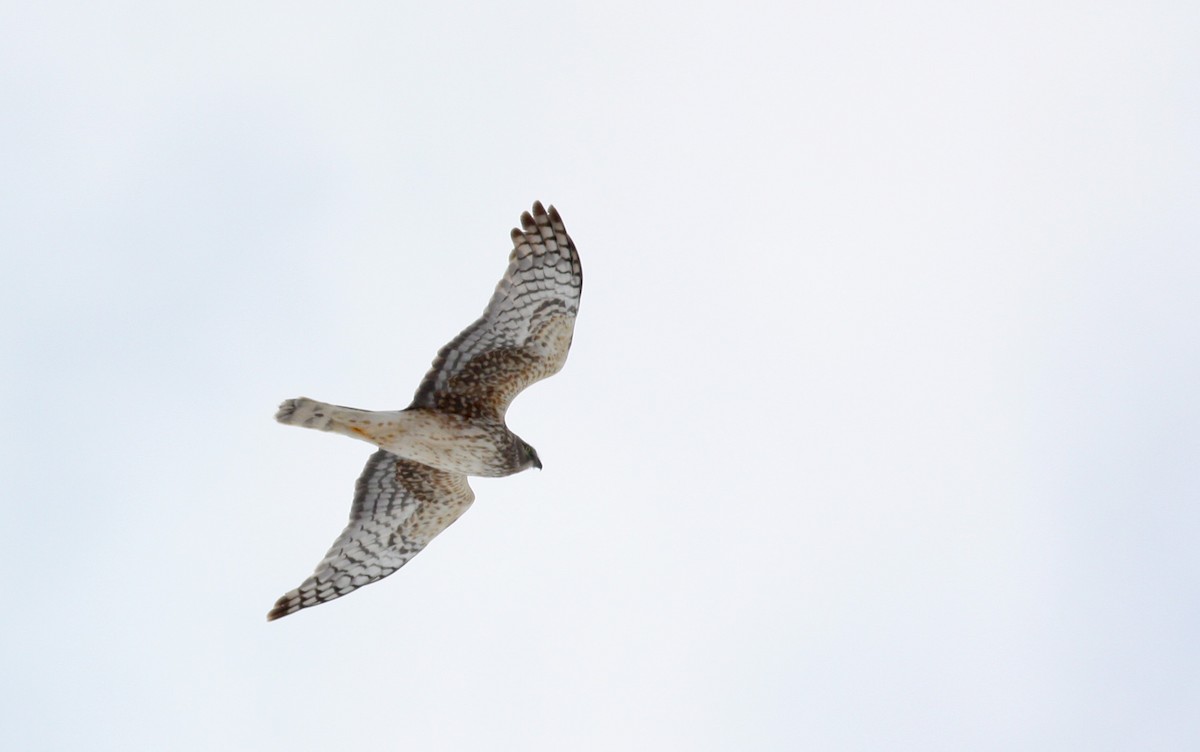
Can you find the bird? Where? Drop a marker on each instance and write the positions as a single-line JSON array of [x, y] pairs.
[[415, 484]]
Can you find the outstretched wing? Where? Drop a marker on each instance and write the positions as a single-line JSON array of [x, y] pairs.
[[525, 331], [399, 506]]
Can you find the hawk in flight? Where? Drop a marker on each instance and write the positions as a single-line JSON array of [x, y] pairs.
[[415, 485]]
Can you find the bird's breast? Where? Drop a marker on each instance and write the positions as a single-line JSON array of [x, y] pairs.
[[450, 443]]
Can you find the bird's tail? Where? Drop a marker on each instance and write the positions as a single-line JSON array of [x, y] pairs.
[[379, 428], [306, 412]]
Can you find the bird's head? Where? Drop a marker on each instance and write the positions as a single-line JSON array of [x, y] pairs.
[[527, 456]]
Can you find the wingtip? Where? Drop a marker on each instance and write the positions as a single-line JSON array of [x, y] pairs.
[[281, 609]]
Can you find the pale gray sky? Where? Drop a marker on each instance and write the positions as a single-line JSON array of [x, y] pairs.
[[880, 430]]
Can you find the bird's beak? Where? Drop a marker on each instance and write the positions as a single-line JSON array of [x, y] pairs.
[[537, 463]]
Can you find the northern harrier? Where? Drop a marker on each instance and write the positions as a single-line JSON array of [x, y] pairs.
[[415, 486]]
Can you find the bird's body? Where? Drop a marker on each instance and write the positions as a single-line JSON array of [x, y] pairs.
[[440, 440], [416, 484]]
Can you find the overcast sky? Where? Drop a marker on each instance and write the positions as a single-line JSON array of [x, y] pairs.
[[880, 429]]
